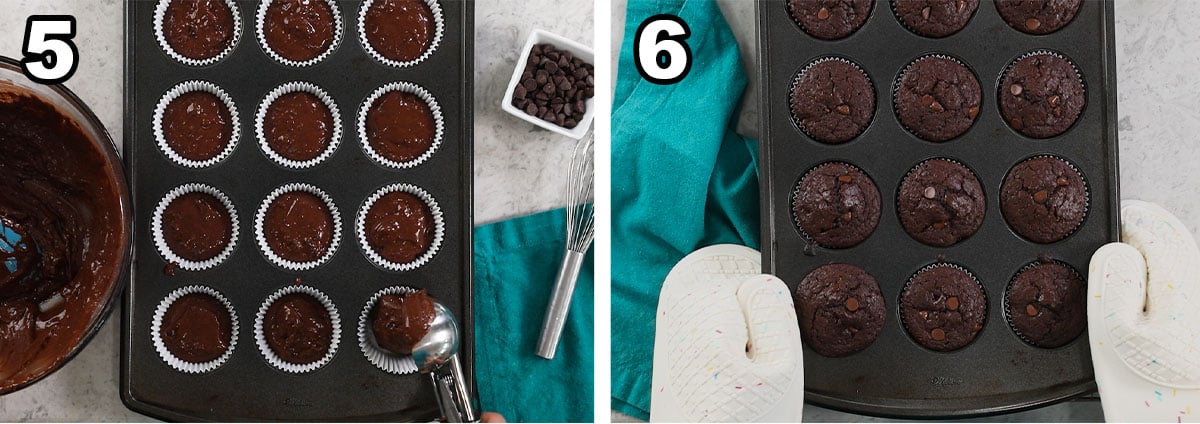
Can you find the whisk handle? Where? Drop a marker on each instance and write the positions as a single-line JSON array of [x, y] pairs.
[[560, 303]]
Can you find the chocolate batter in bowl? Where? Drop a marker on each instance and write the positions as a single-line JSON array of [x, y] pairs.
[[64, 227]]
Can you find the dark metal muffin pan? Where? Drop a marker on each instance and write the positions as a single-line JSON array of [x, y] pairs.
[[247, 387], [895, 376]]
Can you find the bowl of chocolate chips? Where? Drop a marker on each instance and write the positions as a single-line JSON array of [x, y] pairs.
[[553, 85], [65, 229]]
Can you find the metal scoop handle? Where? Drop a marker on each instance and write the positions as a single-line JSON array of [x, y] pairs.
[[453, 399]]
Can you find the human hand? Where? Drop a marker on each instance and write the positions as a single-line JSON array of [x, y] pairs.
[[491, 417], [1144, 318], [727, 344]]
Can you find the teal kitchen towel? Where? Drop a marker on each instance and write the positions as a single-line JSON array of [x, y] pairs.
[[682, 179], [516, 262]]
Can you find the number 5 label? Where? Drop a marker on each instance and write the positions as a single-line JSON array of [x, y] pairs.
[[660, 51], [50, 55]]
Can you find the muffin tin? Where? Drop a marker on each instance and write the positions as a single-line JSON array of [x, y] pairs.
[[895, 376], [246, 386]]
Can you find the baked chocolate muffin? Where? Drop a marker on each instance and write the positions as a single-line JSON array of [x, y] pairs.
[[1044, 199], [940, 203], [830, 19], [840, 309], [832, 100], [400, 126], [198, 29], [299, 30], [937, 98], [836, 205], [197, 328], [1041, 95], [400, 321], [298, 126], [197, 125], [400, 30], [399, 227], [196, 226], [298, 328], [943, 307], [935, 18], [1038, 16], [298, 227], [1047, 304]]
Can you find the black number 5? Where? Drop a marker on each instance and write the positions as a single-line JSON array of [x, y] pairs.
[[50, 55]]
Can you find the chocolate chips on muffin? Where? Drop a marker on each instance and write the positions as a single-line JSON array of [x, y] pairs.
[[830, 19], [1038, 16], [1044, 199], [832, 100], [935, 18], [836, 205], [943, 307], [1041, 95], [1047, 304], [937, 98], [940, 203], [840, 309]]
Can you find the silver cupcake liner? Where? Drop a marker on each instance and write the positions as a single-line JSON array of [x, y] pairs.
[[260, 117], [160, 241], [260, 25], [261, 237], [170, 358], [900, 20], [382, 359], [159, 14], [434, 209], [260, 338], [439, 30], [434, 109], [184, 88]]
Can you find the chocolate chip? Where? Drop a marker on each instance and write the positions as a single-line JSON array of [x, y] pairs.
[[962, 4], [1061, 181], [952, 303], [823, 14], [843, 109], [973, 112], [1016, 89], [1031, 310], [939, 225], [531, 109], [930, 192], [845, 179], [519, 92], [847, 217], [925, 13], [926, 100], [1052, 100], [1032, 24], [937, 334], [1015, 123], [937, 107], [851, 304], [1040, 196]]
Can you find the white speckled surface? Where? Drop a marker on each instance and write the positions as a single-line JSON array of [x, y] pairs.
[[1158, 60], [518, 168]]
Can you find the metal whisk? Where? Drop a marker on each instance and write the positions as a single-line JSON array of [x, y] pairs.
[[581, 226]]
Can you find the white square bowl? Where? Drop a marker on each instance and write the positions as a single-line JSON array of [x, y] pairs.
[[580, 51]]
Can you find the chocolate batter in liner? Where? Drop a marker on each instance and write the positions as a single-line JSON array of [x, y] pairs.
[[335, 36], [366, 128], [1061, 319], [187, 87], [260, 334], [438, 230], [165, 353], [160, 15], [264, 244], [382, 359], [260, 119], [160, 242], [431, 45]]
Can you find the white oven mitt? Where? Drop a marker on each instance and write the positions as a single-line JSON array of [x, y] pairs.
[[1144, 319], [727, 344]]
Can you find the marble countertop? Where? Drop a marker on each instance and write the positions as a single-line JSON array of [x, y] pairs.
[[519, 169], [1158, 96]]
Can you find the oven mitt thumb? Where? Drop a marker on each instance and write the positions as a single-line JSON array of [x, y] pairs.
[[727, 344], [1144, 318]]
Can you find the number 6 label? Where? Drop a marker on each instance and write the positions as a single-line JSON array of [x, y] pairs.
[[660, 52], [50, 55]]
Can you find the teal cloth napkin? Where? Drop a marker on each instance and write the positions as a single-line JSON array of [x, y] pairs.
[[516, 262], [682, 179]]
